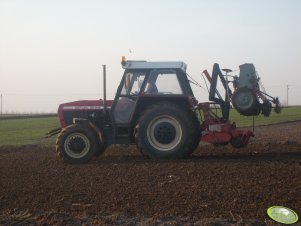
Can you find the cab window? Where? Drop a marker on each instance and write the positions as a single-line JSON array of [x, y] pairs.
[[132, 83], [163, 82]]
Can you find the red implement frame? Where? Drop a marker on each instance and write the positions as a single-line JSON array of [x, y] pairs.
[[219, 130]]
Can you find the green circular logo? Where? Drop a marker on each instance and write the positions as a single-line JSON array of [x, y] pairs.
[[282, 214]]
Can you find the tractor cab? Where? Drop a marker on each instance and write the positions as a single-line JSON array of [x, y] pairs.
[[145, 83]]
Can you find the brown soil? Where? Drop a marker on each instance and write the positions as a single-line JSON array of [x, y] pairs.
[[216, 186]]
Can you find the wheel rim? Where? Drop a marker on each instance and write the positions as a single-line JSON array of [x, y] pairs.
[[164, 133], [77, 145], [244, 100]]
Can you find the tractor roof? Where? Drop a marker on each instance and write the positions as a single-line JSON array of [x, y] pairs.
[[133, 64]]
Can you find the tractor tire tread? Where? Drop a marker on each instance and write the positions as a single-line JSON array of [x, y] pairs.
[[69, 129], [189, 143]]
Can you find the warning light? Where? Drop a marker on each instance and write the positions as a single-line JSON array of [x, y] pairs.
[[123, 60]]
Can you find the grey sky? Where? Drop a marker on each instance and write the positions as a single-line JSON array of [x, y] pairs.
[[52, 51]]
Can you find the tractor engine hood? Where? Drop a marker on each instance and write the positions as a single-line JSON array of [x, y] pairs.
[[80, 109], [84, 105]]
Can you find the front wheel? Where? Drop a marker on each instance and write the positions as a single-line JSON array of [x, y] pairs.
[[100, 148], [76, 144]]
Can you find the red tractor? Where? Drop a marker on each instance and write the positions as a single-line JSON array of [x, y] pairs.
[[155, 109]]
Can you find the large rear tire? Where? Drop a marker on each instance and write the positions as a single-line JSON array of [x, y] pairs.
[[166, 130], [195, 138], [76, 144]]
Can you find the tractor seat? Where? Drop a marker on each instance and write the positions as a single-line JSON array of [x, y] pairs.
[[227, 70]]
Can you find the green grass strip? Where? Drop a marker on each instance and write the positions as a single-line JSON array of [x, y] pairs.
[[19, 132]]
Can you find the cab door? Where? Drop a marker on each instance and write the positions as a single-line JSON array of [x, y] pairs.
[[127, 96]]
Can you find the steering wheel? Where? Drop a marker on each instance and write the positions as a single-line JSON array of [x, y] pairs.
[[152, 89]]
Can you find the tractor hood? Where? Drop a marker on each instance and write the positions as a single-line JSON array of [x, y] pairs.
[[84, 105], [70, 110]]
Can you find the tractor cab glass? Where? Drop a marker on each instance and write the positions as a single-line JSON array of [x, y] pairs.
[[132, 82], [163, 82]]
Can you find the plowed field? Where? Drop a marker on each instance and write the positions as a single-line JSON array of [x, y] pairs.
[[216, 186]]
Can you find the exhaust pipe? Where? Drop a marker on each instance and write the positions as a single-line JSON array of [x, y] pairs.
[[104, 89]]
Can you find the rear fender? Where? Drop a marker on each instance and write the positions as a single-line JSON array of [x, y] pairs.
[[144, 102]]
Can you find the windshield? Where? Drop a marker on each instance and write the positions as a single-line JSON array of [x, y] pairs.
[[132, 83]]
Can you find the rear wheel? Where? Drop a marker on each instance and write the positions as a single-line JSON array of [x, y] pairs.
[[76, 144], [165, 131], [195, 138], [136, 140]]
